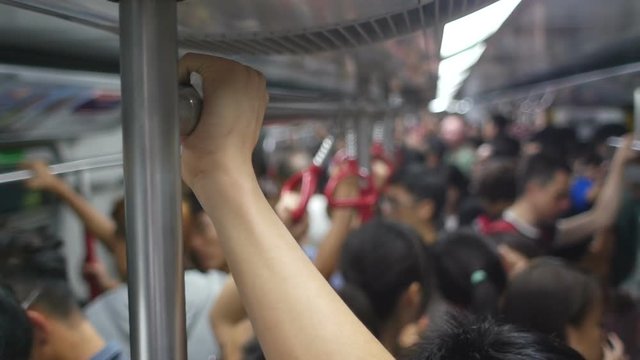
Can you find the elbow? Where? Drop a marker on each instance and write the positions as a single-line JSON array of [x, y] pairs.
[[604, 218]]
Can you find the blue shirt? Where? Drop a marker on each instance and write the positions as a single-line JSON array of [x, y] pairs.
[[110, 352], [580, 195]]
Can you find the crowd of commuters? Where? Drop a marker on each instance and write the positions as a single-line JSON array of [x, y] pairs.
[[483, 246]]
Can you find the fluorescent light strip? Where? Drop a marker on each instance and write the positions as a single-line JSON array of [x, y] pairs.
[[476, 27]]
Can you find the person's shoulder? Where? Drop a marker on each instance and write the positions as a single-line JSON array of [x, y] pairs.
[[110, 352], [117, 294], [211, 281]]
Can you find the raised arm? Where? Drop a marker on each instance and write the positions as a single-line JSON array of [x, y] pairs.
[[295, 313], [341, 222], [96, 222], [605, 210], [228, 318]]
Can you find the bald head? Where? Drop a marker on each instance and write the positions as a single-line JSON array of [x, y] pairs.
[[453, 130]]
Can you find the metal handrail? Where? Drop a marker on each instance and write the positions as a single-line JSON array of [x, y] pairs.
[[92, 163]]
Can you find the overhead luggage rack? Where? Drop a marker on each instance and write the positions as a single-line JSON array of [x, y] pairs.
[[276, 27]]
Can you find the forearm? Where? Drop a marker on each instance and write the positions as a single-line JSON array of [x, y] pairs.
[[609, 200], [227, 313], [96, 223], [295, 313], [602, 215], [330, 249]]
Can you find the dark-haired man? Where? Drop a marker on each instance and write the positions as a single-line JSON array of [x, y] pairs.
[[16, 334], [416, 197], [34, 269], [543, 188]]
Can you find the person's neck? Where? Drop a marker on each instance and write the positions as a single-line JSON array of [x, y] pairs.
[[428, 233], [524, 212], [80, 341]]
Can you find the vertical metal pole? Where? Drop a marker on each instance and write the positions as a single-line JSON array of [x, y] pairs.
[[636, 114], [364, 133], [148, 45]]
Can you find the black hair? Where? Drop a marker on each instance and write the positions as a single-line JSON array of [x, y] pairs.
[[606, 131], [504, 146], [194, 203], [556, 142], [469, 272], [16, 333], [259, 158], [422, 183], [457, 179], [465, 337], [590, 158], [360, 305], [382, 259], [436, 147], [253, 351], [31, 263], [470, 208], [548, 296], [410, 156], [496, 181], [119, 217], [541, 168], [501, 122], [286, 167]]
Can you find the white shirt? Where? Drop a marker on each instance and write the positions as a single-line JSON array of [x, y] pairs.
[[109, 314]]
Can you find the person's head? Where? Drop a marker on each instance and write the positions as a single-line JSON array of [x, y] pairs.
[[463, 338], [453, 131], [118, 214], [469, 272], [543, 183], [495, 185], [494, 126], [589, 165], [505, 147], [602, 134], [120, 253], [457, 186], [359, 303], [415, 196], [387, 262], [32, 266], [434, 152], [557, 300], [16, 334], [204, 249], [293, 161]]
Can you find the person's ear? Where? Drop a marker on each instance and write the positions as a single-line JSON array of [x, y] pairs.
[[41, 327], [426, 210], [412, 297]]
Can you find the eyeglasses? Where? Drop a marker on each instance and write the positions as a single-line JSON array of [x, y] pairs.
[[30, 299], [33, 296]]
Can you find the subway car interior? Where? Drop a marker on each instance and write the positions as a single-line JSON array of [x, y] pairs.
[[462, 177]]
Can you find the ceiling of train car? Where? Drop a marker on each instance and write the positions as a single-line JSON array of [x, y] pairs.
[[396, 41], [277, 26], [547, 40]]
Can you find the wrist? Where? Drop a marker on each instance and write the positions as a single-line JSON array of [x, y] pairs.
[[227, 174], [59, 187]]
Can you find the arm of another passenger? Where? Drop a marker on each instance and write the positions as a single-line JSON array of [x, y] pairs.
[[341, 220], [96, 222], [226, 317], [605, 210], [294, 311]]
